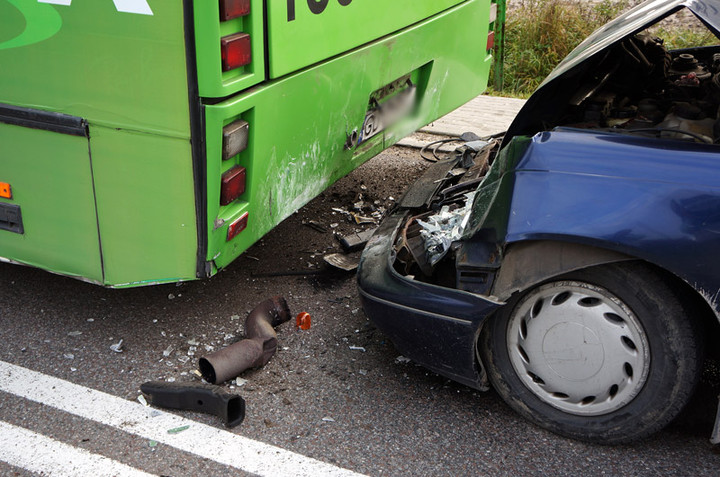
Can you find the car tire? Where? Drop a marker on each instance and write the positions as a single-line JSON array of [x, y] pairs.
[[606, 354]]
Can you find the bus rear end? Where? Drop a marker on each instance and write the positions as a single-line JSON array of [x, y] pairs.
[[149, 142]]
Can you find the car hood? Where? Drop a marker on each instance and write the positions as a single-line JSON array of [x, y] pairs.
[[600, 41]]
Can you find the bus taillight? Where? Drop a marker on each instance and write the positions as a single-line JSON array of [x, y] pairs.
[[238, 226], [235, 138], [235, 51], [232, 185], [230, 9]]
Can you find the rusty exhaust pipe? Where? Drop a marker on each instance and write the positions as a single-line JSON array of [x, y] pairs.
[[255, 350]]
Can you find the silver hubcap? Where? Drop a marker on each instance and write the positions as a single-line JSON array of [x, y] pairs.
[[578, 348]]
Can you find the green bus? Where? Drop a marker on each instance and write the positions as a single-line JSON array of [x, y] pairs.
[[153, 141]]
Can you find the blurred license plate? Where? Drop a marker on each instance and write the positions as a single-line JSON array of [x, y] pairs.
[[387, 106]]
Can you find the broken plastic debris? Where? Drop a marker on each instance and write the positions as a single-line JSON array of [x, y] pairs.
[[328, 419], [303, 321], [69, 356], [362, 372], [171, 296], [117, 347], [153, 443], [193, 342], [357, 348], [234, 317], [240, 382], [362, 219], [177, 430], [402, 359], [343, 262], [142, 400], [168, 351], [442, 229], [75, 333], [355, 241]]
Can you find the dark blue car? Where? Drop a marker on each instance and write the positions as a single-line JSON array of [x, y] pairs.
[[573, 265]]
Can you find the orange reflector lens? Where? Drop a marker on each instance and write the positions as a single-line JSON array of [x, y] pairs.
[[230, 9], [235, 51], [238, 226], [233, 185], [235, 138], [5, 190], [491, 41], [303, 320]]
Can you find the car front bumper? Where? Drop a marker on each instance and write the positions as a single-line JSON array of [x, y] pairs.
[[434, 326]]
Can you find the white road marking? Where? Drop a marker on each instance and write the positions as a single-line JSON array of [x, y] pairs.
[[215, 444], [41, 454]]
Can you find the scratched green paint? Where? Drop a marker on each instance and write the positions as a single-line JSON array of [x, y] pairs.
[[303, 153]]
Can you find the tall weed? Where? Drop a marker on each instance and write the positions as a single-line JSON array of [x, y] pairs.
[[540, 33]]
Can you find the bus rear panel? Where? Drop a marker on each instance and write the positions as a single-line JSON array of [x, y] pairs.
[[151, 142]]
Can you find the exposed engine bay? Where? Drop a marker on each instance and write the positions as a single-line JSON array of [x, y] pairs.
[[639, 87], [635, 87]]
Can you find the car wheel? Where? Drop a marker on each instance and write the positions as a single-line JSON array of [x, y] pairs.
[[606, 354]]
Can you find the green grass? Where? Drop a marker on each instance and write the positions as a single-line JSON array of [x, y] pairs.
[[540, 33]]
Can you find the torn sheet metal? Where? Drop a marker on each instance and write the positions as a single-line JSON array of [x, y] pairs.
[[444, 228]]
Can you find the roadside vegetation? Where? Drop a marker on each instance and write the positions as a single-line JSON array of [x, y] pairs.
[[540, 33]]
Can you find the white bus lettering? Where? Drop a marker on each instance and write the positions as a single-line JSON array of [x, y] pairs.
[[140, 7]]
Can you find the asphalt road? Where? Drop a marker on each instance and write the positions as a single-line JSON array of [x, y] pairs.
[[320, 398]]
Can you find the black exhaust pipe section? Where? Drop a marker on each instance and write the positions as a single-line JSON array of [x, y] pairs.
[[197, 397], [255, 350]]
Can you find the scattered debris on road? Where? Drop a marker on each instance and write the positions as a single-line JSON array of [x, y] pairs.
[[255, 350], [197, 397], [303, 321], [341, 261], [117, 347]]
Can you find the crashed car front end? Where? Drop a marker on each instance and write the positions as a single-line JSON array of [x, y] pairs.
[[569, 262], [431, 324]]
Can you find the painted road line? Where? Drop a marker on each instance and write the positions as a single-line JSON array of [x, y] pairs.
[[208, 442], [41, 454]]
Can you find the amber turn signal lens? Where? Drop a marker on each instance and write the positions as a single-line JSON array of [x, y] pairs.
[[5, 190], [303, 320]]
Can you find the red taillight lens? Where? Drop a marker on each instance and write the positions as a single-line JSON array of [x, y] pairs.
[[235, 51], [491, 41], [235, 138], [238, 226], [233, 185], [230, 9]]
